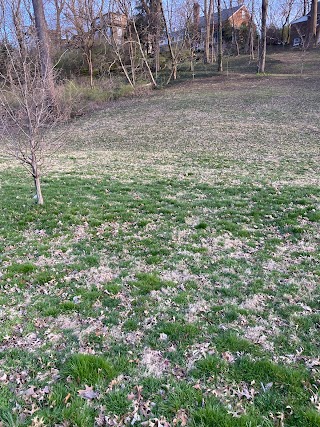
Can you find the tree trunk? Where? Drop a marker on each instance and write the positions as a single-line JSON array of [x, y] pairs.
[[58, 30], [156, 49], [220, 51], [263, 41], [208, 13], [44, 45], [285, 36], [175, 71], [234, 33], [172, 53], [313, 22], [36, 179], [143, 54], [88, 56], [157, 32], [38, 190], [132, 57], [249, 48]]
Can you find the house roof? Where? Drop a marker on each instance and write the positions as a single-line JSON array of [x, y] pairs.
[[306, 17], [299, 20], [225, 15]]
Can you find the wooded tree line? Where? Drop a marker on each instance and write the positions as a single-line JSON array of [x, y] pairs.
[[37, 41], [139, 38]]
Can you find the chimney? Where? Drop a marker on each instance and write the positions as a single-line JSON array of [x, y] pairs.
[[196, 14]]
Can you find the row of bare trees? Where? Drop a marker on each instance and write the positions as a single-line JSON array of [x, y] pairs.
[[74, 27]]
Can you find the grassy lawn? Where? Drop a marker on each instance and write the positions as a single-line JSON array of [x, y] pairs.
[[172, 277]]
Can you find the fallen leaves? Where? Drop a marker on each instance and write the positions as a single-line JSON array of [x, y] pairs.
[[4, 378], [38, 422], [88, 393], [156, 422], [266, 387], [67, 398], [181, 418], [228, 357], [141, 412]]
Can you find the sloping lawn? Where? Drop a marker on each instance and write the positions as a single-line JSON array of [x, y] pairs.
[[172, 277]]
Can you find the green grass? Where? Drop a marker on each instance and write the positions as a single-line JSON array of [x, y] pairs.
[[146, 283], [174, 267], [88, 369]]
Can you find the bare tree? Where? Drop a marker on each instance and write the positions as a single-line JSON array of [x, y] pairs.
[[251, 33], [111, 27], [83, 16], [26, 118], [209, 28], [233, 29], [304, 49], [131, 45], [263, 39], [173, 53], [220, 47], [145, 60], [44, 45], [313, 36], [178, 14], [152, 9], [285, 11], [58, 6]]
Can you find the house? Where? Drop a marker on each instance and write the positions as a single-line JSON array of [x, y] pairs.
[[177, 37], [233, 18], [113, 25], [300, 28]]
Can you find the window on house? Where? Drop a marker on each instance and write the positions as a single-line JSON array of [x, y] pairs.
[[297, 41], [243, 14]]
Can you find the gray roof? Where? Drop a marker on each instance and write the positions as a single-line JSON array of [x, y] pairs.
[[306, 17], [225, 14], [300, 20]]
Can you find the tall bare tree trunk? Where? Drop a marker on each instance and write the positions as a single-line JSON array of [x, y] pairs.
[[263, 40], [59, 5], [90, 66], [145, 60], [44, 45], [158, 33], [174, 64], [313, 22], [305, 6], [156, 19], [234, 32], [208, 14], [132, 53], [285, 36], [250, 41], [220, 49]]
